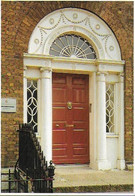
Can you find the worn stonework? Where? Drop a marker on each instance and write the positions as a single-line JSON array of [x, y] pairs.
[[18, 21]]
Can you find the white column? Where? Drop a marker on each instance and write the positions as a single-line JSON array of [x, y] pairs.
[[46, 112], [102, 162], [92, 122], [120, 110]]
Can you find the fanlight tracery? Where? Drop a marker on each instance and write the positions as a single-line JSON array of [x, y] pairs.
[[73, 46]]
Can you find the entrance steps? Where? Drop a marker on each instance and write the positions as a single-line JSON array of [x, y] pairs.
[[82, 179]]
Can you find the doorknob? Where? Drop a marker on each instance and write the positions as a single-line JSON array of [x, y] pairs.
[[57, 125], [69, 105]]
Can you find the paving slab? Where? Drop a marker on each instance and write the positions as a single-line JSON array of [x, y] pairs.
[[83, 176]]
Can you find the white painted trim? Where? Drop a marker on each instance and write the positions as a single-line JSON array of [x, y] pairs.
[[111, 135], [38, 61], [92, 121], [77, 60], [121, 161]]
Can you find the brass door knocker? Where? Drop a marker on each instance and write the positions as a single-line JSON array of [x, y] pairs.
[[69, 105]]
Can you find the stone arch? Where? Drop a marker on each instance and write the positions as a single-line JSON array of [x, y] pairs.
[[86, 34], [79, 21]]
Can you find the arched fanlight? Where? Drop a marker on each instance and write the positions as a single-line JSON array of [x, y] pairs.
[[73, 46]]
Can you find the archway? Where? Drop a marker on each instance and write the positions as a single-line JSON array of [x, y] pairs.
[[106, 123]]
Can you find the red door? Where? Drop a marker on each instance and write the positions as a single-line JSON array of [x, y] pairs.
[[70, 118]]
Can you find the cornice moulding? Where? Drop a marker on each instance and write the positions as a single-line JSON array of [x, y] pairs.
[[72, 60]]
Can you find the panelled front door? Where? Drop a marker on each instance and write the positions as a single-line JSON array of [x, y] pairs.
[[70, 118]]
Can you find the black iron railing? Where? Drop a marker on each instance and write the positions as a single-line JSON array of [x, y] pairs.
[[8, 181], [32, 173]]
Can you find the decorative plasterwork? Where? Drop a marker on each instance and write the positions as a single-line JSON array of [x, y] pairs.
[[73, 65], [76, 21]]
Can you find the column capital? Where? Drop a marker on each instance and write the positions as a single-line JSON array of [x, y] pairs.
[[47, 69], [25, 67], [46, 72], [101, 76], [102, 73], [121, 77]]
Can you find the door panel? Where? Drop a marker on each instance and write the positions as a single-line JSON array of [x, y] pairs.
[[70, 126], [59, 95], [79, 136], [60, 152], [60, 137], [80, 81], [79, 151], [59, 113], [78, 96], [79, 114]]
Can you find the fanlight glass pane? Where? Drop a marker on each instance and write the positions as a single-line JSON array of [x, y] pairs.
[[72, 46], [32, 103]]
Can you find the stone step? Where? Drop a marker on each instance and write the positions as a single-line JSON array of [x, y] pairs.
[[123, 188], [75, 179]]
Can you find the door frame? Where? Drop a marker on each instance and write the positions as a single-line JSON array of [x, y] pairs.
[[108, 67], [40, 67]]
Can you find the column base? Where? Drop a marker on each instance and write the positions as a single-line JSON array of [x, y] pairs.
[[101, 165], [121, 164]]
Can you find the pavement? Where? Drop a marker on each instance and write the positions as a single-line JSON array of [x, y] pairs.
[[80, 178]]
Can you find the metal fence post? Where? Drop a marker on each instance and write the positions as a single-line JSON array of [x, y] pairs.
[[26, 190], [9, 184]]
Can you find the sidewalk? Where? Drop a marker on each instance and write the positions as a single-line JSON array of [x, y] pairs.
[[83, 179]]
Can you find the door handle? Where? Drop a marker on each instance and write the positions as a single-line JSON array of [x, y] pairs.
[[57, 125], [69, 125]]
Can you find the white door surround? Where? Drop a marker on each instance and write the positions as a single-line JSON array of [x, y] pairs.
[[106, 149]]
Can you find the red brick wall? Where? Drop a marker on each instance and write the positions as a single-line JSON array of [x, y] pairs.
[[18, 21]]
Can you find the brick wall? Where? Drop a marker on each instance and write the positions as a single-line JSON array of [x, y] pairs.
[[18, 21]]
